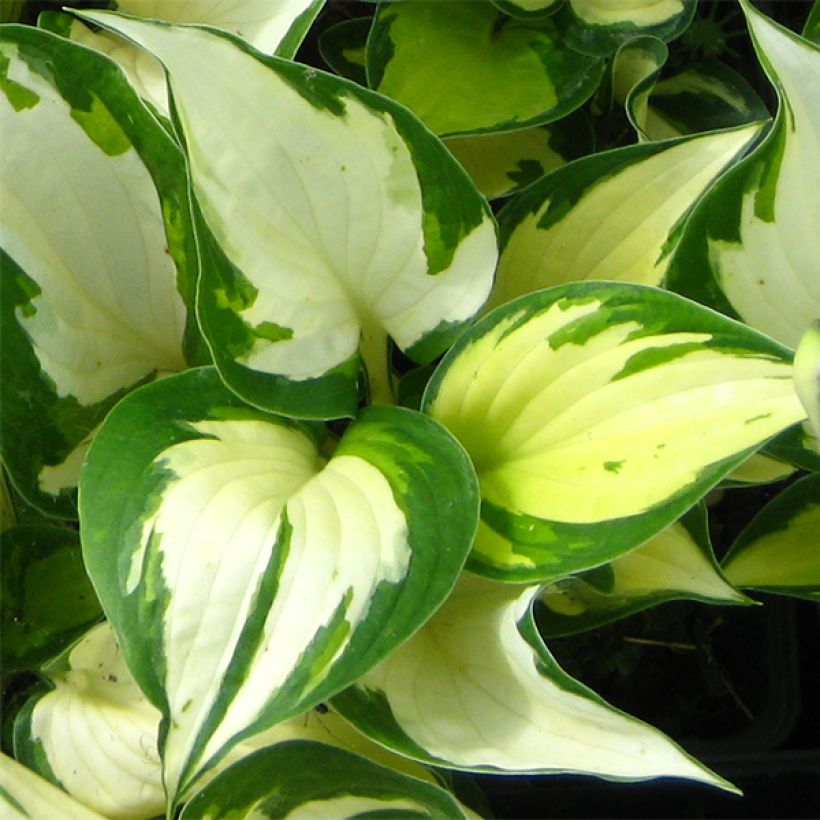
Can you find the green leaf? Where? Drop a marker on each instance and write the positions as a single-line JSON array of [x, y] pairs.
[[476, 689], [468, 68], [704, 96], [25, 795], [343, 48], [811, 29], [599, 27], [337, 246], [627, 204], [94, 734], [503, 163], [304, 778], [248, 578], [750, 247], [677, 563], [272, 26], [596, 414], [778, 550], [47, 601], [98, 256]]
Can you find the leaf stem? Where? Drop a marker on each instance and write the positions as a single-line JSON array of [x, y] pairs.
[[374, 350]]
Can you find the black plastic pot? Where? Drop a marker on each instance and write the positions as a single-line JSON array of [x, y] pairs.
[[769, 748]]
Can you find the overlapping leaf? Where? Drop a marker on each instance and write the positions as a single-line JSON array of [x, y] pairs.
[[599, 27], [94, 733], [23, 794], [503, 163], [477, 689], [751, 246], [468, 68], [272, 26], [40, 618], [779, 551], [248, 578], [612, 215], [98, 256], [677, 563], [597, 413], [301, 778], [315, 250]]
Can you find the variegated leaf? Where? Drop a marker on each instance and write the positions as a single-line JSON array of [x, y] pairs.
[[302, 779], [528, 9], [779, 551], [476, 689], [98, 255], [677, 563], [25, 795], [751, 245], [704, 96], [247, 577], [94, 734], [599, 27], [597, 413], [272, 26], [40, 618], [798, 446], [612, 215], [503, 163], [469, 68], [315, 249], [636, 67]]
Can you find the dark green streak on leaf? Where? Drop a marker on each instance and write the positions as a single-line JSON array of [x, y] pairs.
[[245, 649], [613, 466], [7, 798], [528, 171], [18, 95], [766, 193], [102, 128], [757, 418], [655, 357], [272, 332]]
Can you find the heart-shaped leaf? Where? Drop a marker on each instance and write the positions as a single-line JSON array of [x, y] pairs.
[[750, 247], [597, 413], [469, 68], [246, 577], [98, 255], [477, 689], [626, 204], [316, 250]]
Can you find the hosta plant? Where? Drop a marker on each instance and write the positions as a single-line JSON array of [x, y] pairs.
[[317, 383]]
